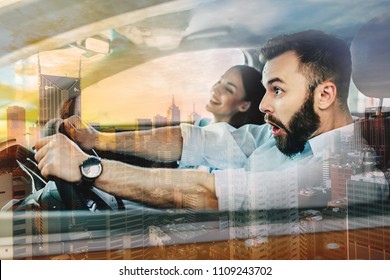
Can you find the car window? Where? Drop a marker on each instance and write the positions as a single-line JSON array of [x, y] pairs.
[[149, 89]]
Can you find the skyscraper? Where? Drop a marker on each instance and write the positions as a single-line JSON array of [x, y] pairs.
[[194, 116], [310, 236], [272, 211], [59, 97], [173, 113], [16, 124], [368, 217], [376, 129], [159, 120], [143, 124]]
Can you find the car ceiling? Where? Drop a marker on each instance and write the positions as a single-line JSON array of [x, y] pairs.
[[139, 31]]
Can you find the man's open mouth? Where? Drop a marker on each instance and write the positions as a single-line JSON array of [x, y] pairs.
[[276, 130]]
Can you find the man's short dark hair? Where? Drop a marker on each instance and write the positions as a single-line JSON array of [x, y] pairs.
[[322, 57]]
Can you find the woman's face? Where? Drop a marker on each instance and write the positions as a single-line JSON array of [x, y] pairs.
[[227, 96]]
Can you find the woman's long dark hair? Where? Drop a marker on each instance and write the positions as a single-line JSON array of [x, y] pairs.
[[254, 92]]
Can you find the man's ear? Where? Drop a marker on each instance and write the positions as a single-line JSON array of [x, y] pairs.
[[327, 95], [244, 106]]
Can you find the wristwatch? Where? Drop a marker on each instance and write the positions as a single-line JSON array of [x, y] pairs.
[[90, 170]]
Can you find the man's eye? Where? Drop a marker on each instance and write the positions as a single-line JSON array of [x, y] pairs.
[[277, 91]]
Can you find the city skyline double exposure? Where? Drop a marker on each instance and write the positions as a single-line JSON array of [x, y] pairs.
[[128, 66]]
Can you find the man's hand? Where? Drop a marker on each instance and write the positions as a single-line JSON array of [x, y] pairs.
[[82, 133], [58, 156]]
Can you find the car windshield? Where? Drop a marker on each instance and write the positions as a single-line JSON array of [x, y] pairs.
[[136, 66]]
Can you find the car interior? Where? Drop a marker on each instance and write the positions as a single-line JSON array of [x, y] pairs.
[[125, 58]]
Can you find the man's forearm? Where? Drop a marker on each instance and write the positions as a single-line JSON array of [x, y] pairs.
[[158, 187], [161, 144]]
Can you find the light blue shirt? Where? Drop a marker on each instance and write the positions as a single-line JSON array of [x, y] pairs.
[[251, 167]]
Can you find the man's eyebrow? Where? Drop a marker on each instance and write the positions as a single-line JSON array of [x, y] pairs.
[[274, 80]]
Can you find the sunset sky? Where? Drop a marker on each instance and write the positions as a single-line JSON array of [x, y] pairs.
[[139, 92]]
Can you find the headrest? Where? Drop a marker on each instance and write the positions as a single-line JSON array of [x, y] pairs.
[[370, 50]]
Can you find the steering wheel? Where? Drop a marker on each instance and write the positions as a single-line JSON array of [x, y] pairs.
[[70, 195], [76, 197]]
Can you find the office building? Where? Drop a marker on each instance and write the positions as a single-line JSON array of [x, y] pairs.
[[16, 124], [368, 218], [173, 113], [59, 97]]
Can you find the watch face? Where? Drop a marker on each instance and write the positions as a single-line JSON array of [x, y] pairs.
[[91, 168], [92, 171]]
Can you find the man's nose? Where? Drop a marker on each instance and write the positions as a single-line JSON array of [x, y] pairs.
[[266, 104]]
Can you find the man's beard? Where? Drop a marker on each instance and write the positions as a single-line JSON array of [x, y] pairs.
[[302, 125]]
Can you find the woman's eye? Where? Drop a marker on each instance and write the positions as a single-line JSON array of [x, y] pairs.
[[229, 90]]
